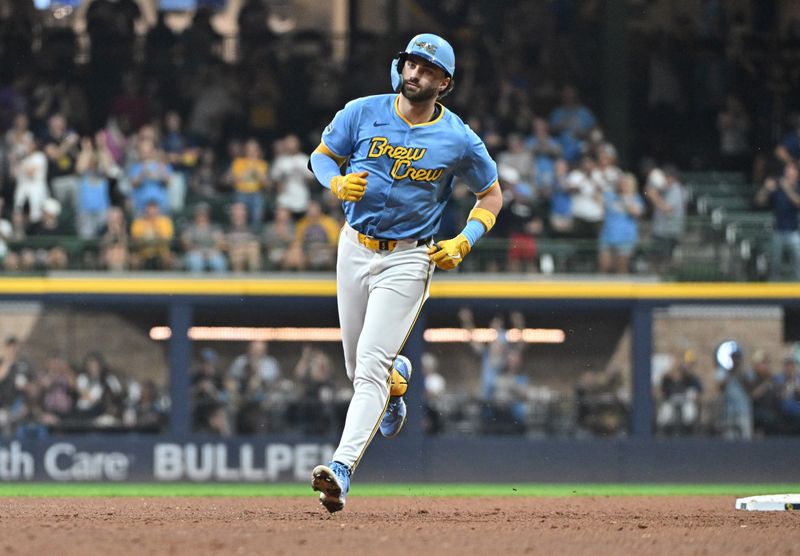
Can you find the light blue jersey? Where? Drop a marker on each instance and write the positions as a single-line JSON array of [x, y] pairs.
[[411, 167]]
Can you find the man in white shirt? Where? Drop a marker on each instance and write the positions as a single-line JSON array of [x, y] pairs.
[[31, 175], [587, 199], [291, 174]]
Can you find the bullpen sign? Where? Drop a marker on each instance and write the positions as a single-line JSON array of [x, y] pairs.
[[142, 459]]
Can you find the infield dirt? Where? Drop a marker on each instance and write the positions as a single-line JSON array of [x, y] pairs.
[[404, 526]]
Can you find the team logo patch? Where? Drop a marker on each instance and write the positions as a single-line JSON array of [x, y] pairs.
[[329, 129], [404, 158], [428, 47]]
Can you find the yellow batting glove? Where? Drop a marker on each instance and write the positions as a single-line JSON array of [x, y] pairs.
[[449, 253], [350, 187]]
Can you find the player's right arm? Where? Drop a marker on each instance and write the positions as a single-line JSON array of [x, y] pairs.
[[326, 163], [327, 167]]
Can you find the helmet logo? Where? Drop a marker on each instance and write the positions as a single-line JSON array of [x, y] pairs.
[[428, 47]]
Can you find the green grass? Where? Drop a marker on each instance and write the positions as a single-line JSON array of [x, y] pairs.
[[419, 490]]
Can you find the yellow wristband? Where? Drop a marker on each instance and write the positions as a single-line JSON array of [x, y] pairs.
[[483, 216]]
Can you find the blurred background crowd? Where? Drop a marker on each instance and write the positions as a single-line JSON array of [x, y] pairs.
[[66, 396], [131, 142], [496, 390]]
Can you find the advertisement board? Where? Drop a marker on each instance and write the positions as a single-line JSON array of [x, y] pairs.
[[154, 460]]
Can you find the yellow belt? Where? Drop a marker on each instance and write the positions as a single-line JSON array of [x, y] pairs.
[[375, 244]]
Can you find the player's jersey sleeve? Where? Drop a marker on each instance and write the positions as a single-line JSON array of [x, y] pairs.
[[340, 135], [477, 169]]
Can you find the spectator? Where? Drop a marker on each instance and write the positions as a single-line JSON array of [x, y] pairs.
[[254, 33], [733, 125], [788, 149], [94, 166], [14, 377], [94, 385], [202, 43], [30, 174], [318, 235], [600, 406], [241, 243], [150, 409], [6, 235], [256, 364], [249, 177], [787, 385], [761, 387], [586, 199], [518, 157], [314, 409], [203, 243], [58, 390], [173, 141], [213, 102], [205, 180], [783, 196], [18, 139], [291, 176], [511, 394], [149, 178], [572, 116], [572, 148], [737, 410], [114, 242], [263, 98], [49, 253], [606, 173], [15, 260], [61, 147], [493, 360], [208, 384], [151, 238], [179, 156], [519, 221], [620, 233], [161, 48], [283, 252], [435, 390], [561, 221], [680, 391], [114, 140], [668, 198], [132, 104], [545, 149]]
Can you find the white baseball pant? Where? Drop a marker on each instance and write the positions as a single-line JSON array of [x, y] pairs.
[[380, 295]]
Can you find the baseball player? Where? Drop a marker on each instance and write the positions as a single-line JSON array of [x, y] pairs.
[[392, 160]]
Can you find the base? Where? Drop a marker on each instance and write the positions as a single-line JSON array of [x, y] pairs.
[[769, 503]]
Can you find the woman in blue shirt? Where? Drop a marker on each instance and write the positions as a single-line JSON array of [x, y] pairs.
[[620, 232]]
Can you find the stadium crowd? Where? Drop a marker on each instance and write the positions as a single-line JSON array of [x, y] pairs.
[[64, 396], [124, 150], [253, 395], [157, 151], [746, 399]]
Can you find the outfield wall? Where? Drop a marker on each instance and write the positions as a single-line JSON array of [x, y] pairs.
[[180, 455]]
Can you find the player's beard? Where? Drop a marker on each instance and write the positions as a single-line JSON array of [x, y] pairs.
[[421, 94]]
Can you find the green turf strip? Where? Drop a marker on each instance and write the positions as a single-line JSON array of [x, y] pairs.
[[420, 490]]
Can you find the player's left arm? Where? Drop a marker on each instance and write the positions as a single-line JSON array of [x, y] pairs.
[[449, 253], [479, 172]]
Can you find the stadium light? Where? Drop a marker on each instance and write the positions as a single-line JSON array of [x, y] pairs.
[[297, 334]]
